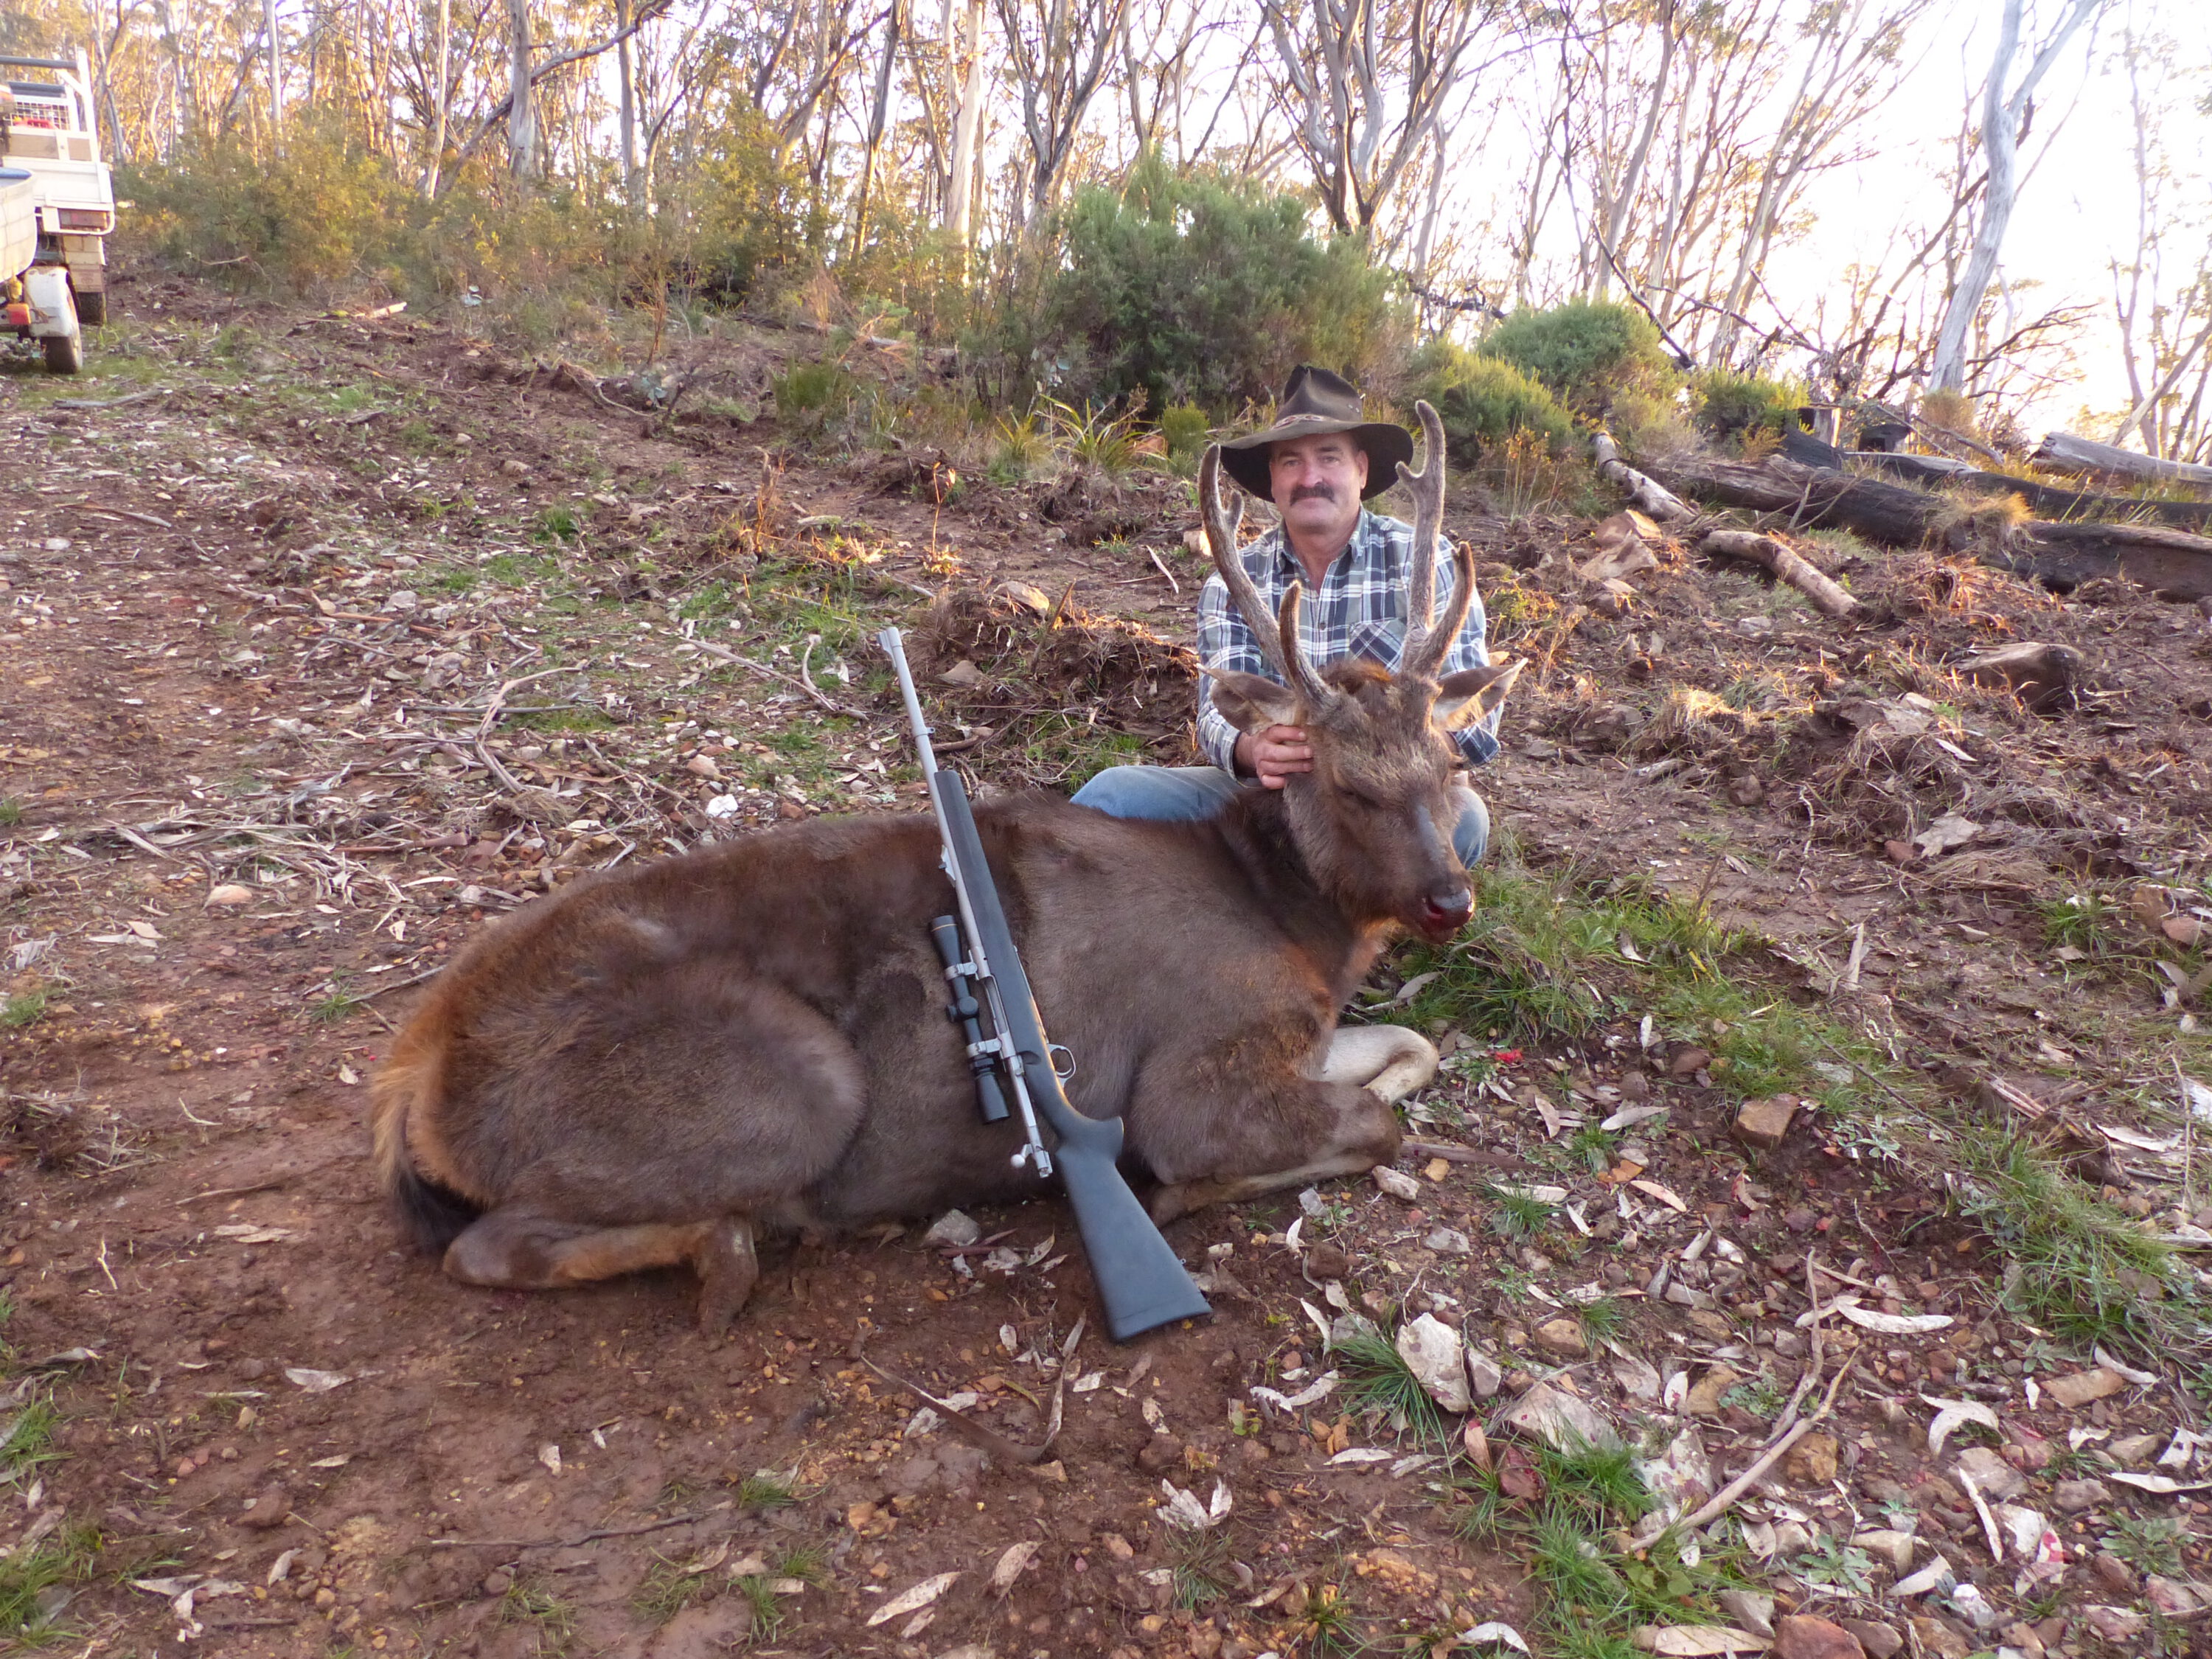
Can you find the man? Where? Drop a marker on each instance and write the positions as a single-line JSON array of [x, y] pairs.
[[1319, 463]]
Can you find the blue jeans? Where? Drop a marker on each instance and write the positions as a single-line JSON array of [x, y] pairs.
[[1182, 793]]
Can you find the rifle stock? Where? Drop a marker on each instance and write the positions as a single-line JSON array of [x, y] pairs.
[[1141, 1279]]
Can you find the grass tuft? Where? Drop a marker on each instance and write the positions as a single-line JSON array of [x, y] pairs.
[[2086, 1271], [1379, 1379]]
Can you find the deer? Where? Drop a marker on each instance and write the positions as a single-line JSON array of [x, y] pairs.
[[668, 1065]]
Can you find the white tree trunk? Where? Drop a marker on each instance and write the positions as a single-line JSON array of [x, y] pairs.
[[960, 202], [633, 191], [522, 103], [276, 74], [2002, 116], [441, 98]]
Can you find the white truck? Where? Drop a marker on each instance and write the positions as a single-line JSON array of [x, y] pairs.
[[57, 206]]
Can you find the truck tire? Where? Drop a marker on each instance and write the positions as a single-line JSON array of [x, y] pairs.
[[64, 353], [92, 307]]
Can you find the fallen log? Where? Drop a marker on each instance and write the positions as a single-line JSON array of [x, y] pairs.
[[2170, 563], [2064, 453], [1655, 500], [2047, 500], [1785, 566], [2042, 676]]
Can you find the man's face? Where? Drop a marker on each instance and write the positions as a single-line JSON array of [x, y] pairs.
[[1315, 483]]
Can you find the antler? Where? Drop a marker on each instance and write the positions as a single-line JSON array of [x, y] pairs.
[[1277, 636], [1429, 639]]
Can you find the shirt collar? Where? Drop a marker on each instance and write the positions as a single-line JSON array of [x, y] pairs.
[[1286, 562]]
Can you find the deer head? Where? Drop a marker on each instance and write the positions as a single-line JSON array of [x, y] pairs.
[[1373, 819]]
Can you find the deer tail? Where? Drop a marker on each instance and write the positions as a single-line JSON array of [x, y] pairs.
[[406, 1089]]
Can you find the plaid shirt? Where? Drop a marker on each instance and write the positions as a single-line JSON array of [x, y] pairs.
[[1360, 611]]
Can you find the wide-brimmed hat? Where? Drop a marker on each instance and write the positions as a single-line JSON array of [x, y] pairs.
[[1314, 403]]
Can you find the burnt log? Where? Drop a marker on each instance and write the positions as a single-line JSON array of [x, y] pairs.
[[2063, 452], [2045, 500], [2172, 564]]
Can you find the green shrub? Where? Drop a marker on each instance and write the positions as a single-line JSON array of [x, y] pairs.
[[1585, 351], [1483, 401], [330, 214], [1728, 402], [1184, 429], [1196, 288]]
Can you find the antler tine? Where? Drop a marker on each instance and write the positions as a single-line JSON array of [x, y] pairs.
[[1438, 644], [1277, 636], [1428, 491], [1319, 693]]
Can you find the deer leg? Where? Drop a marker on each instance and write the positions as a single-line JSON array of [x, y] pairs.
[[1389, 1061], [1171, 1203], [510, 1250], [728, 1269]]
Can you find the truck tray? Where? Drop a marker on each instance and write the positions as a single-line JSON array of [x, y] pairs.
[[19, 222]]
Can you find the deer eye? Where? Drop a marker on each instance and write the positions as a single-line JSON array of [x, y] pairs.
[[1364, 799]]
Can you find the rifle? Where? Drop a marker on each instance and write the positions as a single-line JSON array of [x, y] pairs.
[[1139, 1278]]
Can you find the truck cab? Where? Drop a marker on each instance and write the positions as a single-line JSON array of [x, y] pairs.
[[49, 130]]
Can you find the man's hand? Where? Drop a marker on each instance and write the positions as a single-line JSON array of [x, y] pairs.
[[1272, 755]]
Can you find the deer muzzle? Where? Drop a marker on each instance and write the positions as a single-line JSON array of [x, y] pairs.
[[1444, 911]]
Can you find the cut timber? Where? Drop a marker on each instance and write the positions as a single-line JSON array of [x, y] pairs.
[[2170, 564], [2043, 498], [1655, 499], [2063, 452], [2043, 674], [1785, 566]]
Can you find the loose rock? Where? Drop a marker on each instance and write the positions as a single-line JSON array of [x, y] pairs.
[[1159, 1453], [2072, 1497], [1879, 1641], [1801, 1636], [269, 1510], [1689, 1062], [1938, 1640], [1396, 1183], [1994, 1478], [1563, 1336], [1812, 1461], [2115, 1574], [1764, 1124], [955, 1228]]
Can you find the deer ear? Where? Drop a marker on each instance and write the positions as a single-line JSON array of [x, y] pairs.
[[1253, 702], [1472, 693]]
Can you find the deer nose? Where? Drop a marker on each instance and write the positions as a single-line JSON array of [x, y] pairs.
[[1446, 911]]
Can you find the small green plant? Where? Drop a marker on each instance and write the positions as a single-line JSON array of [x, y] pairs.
[[1379, 1379], [27, 1439], [2084, 1266], [669, 1587], [1602, 1320], [1519, 1214], [2151, 1544], [1760, 1395], [1184, 429], [1199, 1561], [1022, 449], [766, 1489], [555, 524], [35, 1583], [1595, 1148], [1099, 442], [24, 1008], [1837, 1566], [334, 1007], [1327, 1626], [526, 1603], [11, 811]]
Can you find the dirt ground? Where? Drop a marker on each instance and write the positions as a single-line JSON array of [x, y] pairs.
[[327, 639]]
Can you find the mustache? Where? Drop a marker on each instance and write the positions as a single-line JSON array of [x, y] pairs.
[[1319, 492]]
